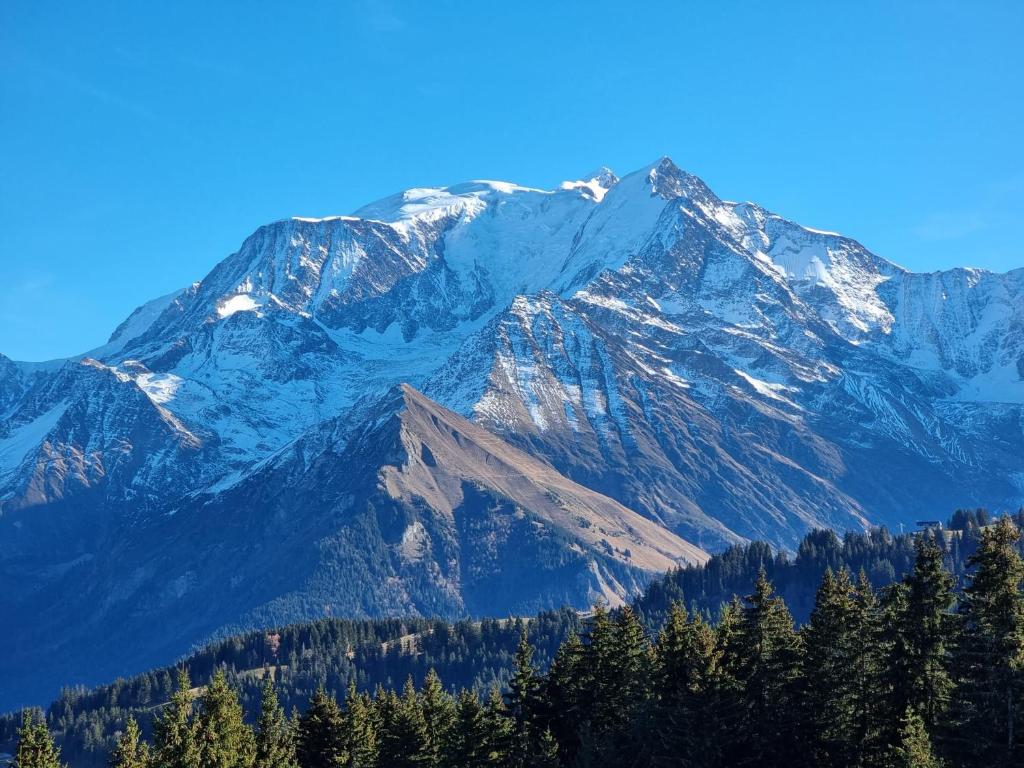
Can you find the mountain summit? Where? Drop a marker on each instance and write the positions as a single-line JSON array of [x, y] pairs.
[[654, 369]]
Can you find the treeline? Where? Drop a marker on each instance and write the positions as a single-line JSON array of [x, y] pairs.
[[330, 653], [881, 555], [916, 674], [478, 656]]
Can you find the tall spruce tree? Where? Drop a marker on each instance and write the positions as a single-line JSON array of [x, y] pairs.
[[830, 677], [870, 688], [275, 745], [565, 696], [360, 731], [174, 732], [224, 740], [498, 726], [990, 656], [922, 654], [439, 717], [320, 741], [468, 743], [408, 745], [130, 751], [766, 656], [35, 747], [685, 728], [522, 705]]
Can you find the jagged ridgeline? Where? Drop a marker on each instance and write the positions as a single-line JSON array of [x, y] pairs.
[[482, 400], [477, 655]]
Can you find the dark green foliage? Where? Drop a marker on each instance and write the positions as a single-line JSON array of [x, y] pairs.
[[175, 730], [223, 738], [468, 746], [764, 655], [35, 745], [130, 751], [990, 657], [275, 745], [922, 674], [922, 652], [320, 741], [685, 726], [913, 747], [361, 730]]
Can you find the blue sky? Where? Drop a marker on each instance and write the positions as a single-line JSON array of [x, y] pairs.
[[143, 141]]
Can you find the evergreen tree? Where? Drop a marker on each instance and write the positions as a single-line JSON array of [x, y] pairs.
[[361, 746], [408, 742], [468, 744], [224, 740], [35, 745], [922, 655], [913, 747], [522, 705], [546, 754], [565, 696], [439, 717], [130, 751], [275, 746], [990, 658], [175, 742], [767, 656], [320, 739], [830, 681], [870, 687], [685, 730], [498, 725]]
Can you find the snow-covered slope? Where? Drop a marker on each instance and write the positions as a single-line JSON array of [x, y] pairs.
[[711, 366]]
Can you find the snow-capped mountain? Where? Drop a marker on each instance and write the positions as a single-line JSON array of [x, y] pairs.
[[703, 366]]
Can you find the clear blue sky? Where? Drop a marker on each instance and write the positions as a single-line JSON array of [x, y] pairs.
[[141, 142]]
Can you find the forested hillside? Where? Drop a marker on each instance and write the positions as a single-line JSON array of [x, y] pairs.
[[870, 589]]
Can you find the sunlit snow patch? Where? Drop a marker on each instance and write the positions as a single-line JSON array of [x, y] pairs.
[[241, 302]]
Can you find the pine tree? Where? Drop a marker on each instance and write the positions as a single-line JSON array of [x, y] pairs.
[[868, 697], [565, 695], [275, 747], [224, 740], [130, 751], [685, 730], [923, 653], [468, 744], [439, 717], [767, 658], [617, 655], [407, 743], [498, 725], [990, 657], [546, 752], [175, 743], [522, 704], [35, 745], [320, 740], [913, 748], [829, 673], [361, 746]]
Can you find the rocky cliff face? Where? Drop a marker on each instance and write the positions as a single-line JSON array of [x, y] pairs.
[[669, 364]]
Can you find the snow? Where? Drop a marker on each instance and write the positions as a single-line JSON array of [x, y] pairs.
[[554, 270], [762, 387], [241, 302], [160, 387], [26, 437]]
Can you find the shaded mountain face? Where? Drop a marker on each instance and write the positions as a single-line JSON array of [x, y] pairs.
[[706, 366], [412, 511]]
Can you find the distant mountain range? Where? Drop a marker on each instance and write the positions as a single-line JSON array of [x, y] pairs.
[[486, 399]]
